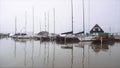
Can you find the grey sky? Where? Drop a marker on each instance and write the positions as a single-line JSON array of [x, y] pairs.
[[106, 13]]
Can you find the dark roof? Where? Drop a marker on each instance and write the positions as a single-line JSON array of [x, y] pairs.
[[42, 33], [96, 29]]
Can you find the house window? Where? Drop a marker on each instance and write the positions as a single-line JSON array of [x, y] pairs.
[[93, 29], [99, 29], [96, 29]]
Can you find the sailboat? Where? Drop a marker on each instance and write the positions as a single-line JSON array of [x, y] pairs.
[[43, 35], [53, 35], [46, 36], [70, 32], [16, 34], [68, 36], [82, 37], [24, 35]]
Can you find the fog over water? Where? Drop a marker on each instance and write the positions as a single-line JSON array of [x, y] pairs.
[[106, 13]]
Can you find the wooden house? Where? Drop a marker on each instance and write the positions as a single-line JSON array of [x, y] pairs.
[[96, 29]]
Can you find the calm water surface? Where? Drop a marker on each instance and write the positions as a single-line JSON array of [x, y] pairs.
[[36, 54]]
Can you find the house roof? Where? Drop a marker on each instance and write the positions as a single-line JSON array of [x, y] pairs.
[[43, 32], [96, 29]]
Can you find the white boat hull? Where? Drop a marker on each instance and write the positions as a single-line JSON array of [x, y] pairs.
[[85, 38]]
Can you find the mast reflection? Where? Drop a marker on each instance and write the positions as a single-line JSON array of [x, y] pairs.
[[15, 49], [32, 57], [69, 46], [25, 54], [53, 55]]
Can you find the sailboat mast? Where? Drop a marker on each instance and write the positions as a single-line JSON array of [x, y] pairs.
[[72, 13], [15, 24], [25, 21], [40, 25], [48, 21], [45, 20], [54, 19], [89, 14], [83, 18], [33, 20]]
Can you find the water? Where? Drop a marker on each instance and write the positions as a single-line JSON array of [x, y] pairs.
[[36, 54]]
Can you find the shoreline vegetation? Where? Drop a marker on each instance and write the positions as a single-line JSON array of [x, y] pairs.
[[2, 35]]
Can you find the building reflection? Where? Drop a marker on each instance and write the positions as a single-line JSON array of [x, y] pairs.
[[100, 47]]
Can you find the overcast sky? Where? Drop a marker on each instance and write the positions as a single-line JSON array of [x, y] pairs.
[[105, 13]]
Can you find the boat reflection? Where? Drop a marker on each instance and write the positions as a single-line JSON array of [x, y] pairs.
[[69, 46], [20, 40]]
